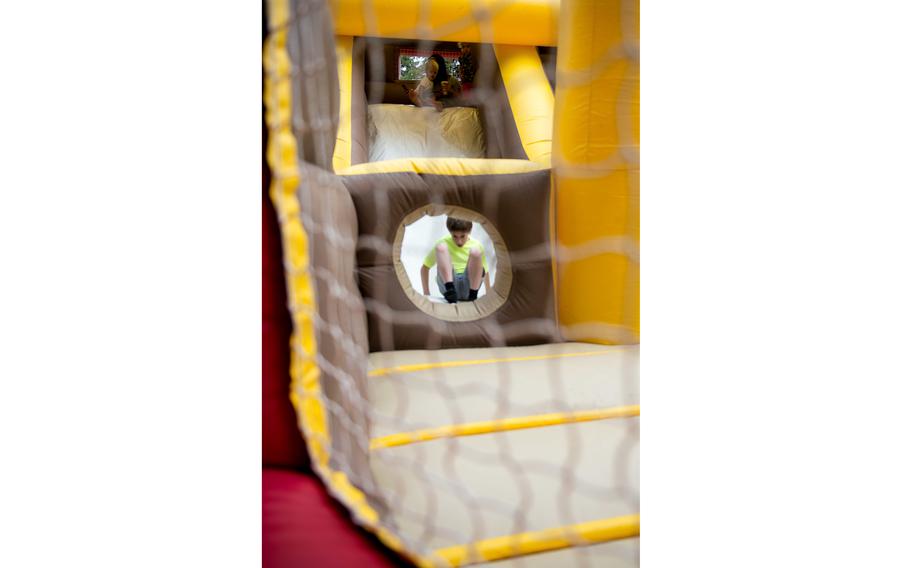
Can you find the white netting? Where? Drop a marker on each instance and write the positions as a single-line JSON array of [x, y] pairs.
[[450, 488]]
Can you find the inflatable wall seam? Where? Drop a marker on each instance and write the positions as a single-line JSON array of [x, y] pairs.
[[306, 391]]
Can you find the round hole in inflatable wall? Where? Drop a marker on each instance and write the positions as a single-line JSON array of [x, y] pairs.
[[417, 236]]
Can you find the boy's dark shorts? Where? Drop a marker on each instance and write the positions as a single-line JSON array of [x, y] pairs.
[[462, 283]]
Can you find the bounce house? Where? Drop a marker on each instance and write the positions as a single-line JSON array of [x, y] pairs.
[[501, 430]]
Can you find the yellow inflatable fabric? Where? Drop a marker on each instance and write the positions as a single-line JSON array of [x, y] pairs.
[[596, 171], [530, 98], [344, 50], [514, 22]]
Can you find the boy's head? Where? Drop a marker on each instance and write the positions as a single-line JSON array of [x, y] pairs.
[[459, 229]]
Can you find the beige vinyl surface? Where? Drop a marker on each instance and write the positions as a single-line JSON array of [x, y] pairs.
[[458, 490], [505, 382]]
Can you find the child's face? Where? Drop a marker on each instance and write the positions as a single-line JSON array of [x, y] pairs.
[[432, 69], [460, 237]]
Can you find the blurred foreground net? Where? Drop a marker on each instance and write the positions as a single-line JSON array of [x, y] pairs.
[[467, 440]]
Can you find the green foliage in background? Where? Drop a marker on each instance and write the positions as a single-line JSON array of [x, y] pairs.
[[410, 67]]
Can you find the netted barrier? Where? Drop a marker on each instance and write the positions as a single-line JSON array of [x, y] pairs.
[[498, 422]]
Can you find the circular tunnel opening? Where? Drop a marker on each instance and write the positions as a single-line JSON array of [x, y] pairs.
[[415, 247]]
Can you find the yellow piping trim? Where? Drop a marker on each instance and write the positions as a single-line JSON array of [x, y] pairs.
[[344, 53], [281, 156], [530, 98], [306, 394], [499, 548], [445, 166], [400, 369], [504, 425]]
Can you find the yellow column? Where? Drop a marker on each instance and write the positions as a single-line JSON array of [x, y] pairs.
[[344, 50], [595, 171], [530, 98]]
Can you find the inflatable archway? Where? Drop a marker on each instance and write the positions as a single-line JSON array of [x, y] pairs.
[[479, 431]]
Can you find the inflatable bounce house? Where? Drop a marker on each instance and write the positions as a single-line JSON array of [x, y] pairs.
[[501, 429]]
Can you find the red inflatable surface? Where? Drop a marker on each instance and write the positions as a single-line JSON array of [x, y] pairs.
[[282, 445], [302, 527]]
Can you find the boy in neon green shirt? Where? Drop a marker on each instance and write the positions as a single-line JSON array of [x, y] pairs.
[[462, 264]]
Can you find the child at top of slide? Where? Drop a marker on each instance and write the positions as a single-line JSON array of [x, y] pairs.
[[436, 86]]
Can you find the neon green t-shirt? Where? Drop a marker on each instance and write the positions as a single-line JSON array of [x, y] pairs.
[[459, 255]]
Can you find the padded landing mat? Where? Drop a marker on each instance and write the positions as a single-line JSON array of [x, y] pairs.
[[470, 445]]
